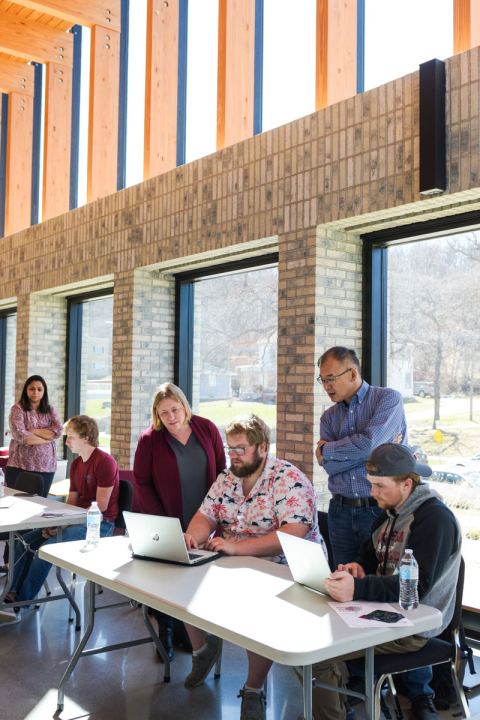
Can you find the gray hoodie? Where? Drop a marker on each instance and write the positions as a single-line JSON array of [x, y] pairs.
[[425, 525]]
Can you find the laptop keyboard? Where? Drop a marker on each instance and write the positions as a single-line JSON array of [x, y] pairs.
[[192, 556]]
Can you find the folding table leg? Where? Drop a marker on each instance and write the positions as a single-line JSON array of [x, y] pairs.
[[79, 650], [369, 684], [71, 600], [307, 692], [218, 664], [158, 644]]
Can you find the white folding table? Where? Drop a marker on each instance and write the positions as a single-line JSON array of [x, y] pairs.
[[26, 514], [248, 601]]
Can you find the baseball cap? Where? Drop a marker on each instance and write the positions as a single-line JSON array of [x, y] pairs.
[[393, 459]]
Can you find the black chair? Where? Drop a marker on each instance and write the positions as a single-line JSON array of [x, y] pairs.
[[125, 502], [323, 525], [442, 649], [29, 482]]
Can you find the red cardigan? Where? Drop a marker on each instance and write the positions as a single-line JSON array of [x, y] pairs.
[[158, 490]]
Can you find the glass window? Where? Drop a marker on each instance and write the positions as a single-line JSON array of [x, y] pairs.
[[433, 359], [202, 54], [235, 347], [8, 341], [137, 53], [90, 362], [289, 57], [401, 35]]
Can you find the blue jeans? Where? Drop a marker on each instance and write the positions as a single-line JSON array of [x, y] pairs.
[[30, 571], [349, 528]]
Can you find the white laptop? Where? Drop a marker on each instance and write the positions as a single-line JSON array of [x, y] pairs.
[[158, 538], [306, 561]]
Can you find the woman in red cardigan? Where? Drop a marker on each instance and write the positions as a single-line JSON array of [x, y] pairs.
[[177, 460]]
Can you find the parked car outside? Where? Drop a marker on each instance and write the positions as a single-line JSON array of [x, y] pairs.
[[423, 389], [471, 462], [419, 453]]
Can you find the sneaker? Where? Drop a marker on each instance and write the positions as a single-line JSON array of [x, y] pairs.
[[351, 714], [10, 616], [253, 705], [203, 663], [423, 708]]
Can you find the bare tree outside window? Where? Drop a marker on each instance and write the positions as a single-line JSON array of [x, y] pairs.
[[235, 346], [434, 361]]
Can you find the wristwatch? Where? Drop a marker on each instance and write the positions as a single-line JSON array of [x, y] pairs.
[[320, 447]]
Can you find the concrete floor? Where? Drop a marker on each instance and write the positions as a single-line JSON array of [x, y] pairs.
[[125, 684]]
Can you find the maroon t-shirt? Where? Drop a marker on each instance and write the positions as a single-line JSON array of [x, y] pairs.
[[100, 470]]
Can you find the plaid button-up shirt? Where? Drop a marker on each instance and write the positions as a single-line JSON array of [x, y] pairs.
[[375, 416]]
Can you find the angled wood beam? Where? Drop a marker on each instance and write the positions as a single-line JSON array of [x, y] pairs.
[[466, 25], [31, 41], [103, 113], [105, 13], [336, 51], [19, 163], [236, 71], [161, 87], [16, 77], [57, 142]]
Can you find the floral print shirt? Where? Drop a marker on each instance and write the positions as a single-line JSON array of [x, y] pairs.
[[281, 495], [35, 458]]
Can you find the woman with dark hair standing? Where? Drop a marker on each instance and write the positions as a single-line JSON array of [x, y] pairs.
[[177, 460], [35, 425]]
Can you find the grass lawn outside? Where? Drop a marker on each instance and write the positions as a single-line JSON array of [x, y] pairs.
[[220, 412], [94, 408]]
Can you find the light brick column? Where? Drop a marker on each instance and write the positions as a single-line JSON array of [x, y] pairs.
[[319, 306], [142, 353], [41, 347]]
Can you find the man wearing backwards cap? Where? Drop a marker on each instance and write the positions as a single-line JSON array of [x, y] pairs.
[[414, 517]]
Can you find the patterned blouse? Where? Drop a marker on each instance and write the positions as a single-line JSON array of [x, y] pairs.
[[35, 458], [281, 495]]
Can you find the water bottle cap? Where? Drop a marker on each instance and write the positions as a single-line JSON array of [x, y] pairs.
[[409, 551]]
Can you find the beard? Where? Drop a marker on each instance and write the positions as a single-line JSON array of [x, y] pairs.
[[247, 469]]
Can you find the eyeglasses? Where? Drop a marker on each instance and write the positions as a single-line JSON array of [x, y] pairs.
[[236, 450], [329, 381]]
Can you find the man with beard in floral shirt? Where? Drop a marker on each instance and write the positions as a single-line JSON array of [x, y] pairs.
[[257, 496]]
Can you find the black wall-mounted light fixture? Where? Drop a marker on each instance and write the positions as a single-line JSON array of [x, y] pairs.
[[432, 127]]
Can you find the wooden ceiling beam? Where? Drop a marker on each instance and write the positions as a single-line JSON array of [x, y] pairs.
[[32, 41], [466, 25], [336, 52], [105, 13], [16, 77], [18, 194]]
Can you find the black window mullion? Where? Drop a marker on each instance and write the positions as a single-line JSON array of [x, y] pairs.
[[74, 367], [184, 344], [3, 371]]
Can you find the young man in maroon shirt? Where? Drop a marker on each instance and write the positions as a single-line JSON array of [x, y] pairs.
[[93, 476]]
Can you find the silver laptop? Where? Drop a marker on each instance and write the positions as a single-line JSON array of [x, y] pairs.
[[306, 561], [154, 537]]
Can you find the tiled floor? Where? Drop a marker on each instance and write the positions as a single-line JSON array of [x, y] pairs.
[[124, 684]]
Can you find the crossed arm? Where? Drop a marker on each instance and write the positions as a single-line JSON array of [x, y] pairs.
[[201, 527]]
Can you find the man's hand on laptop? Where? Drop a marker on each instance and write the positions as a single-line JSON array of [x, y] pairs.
[[354, 569], [340, 586], [190, 542], [218, 544]]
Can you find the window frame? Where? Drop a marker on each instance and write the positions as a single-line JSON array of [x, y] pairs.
[[375, 288], [4, 315], [184, 311], [74, 352]]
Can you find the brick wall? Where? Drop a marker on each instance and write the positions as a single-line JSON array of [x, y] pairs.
[[315, 184]]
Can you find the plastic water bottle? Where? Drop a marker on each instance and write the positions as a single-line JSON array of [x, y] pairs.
[[2, 483], [408, 582], [94, 520]]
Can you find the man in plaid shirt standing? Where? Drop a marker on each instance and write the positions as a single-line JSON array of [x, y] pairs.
[[362, 418]]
